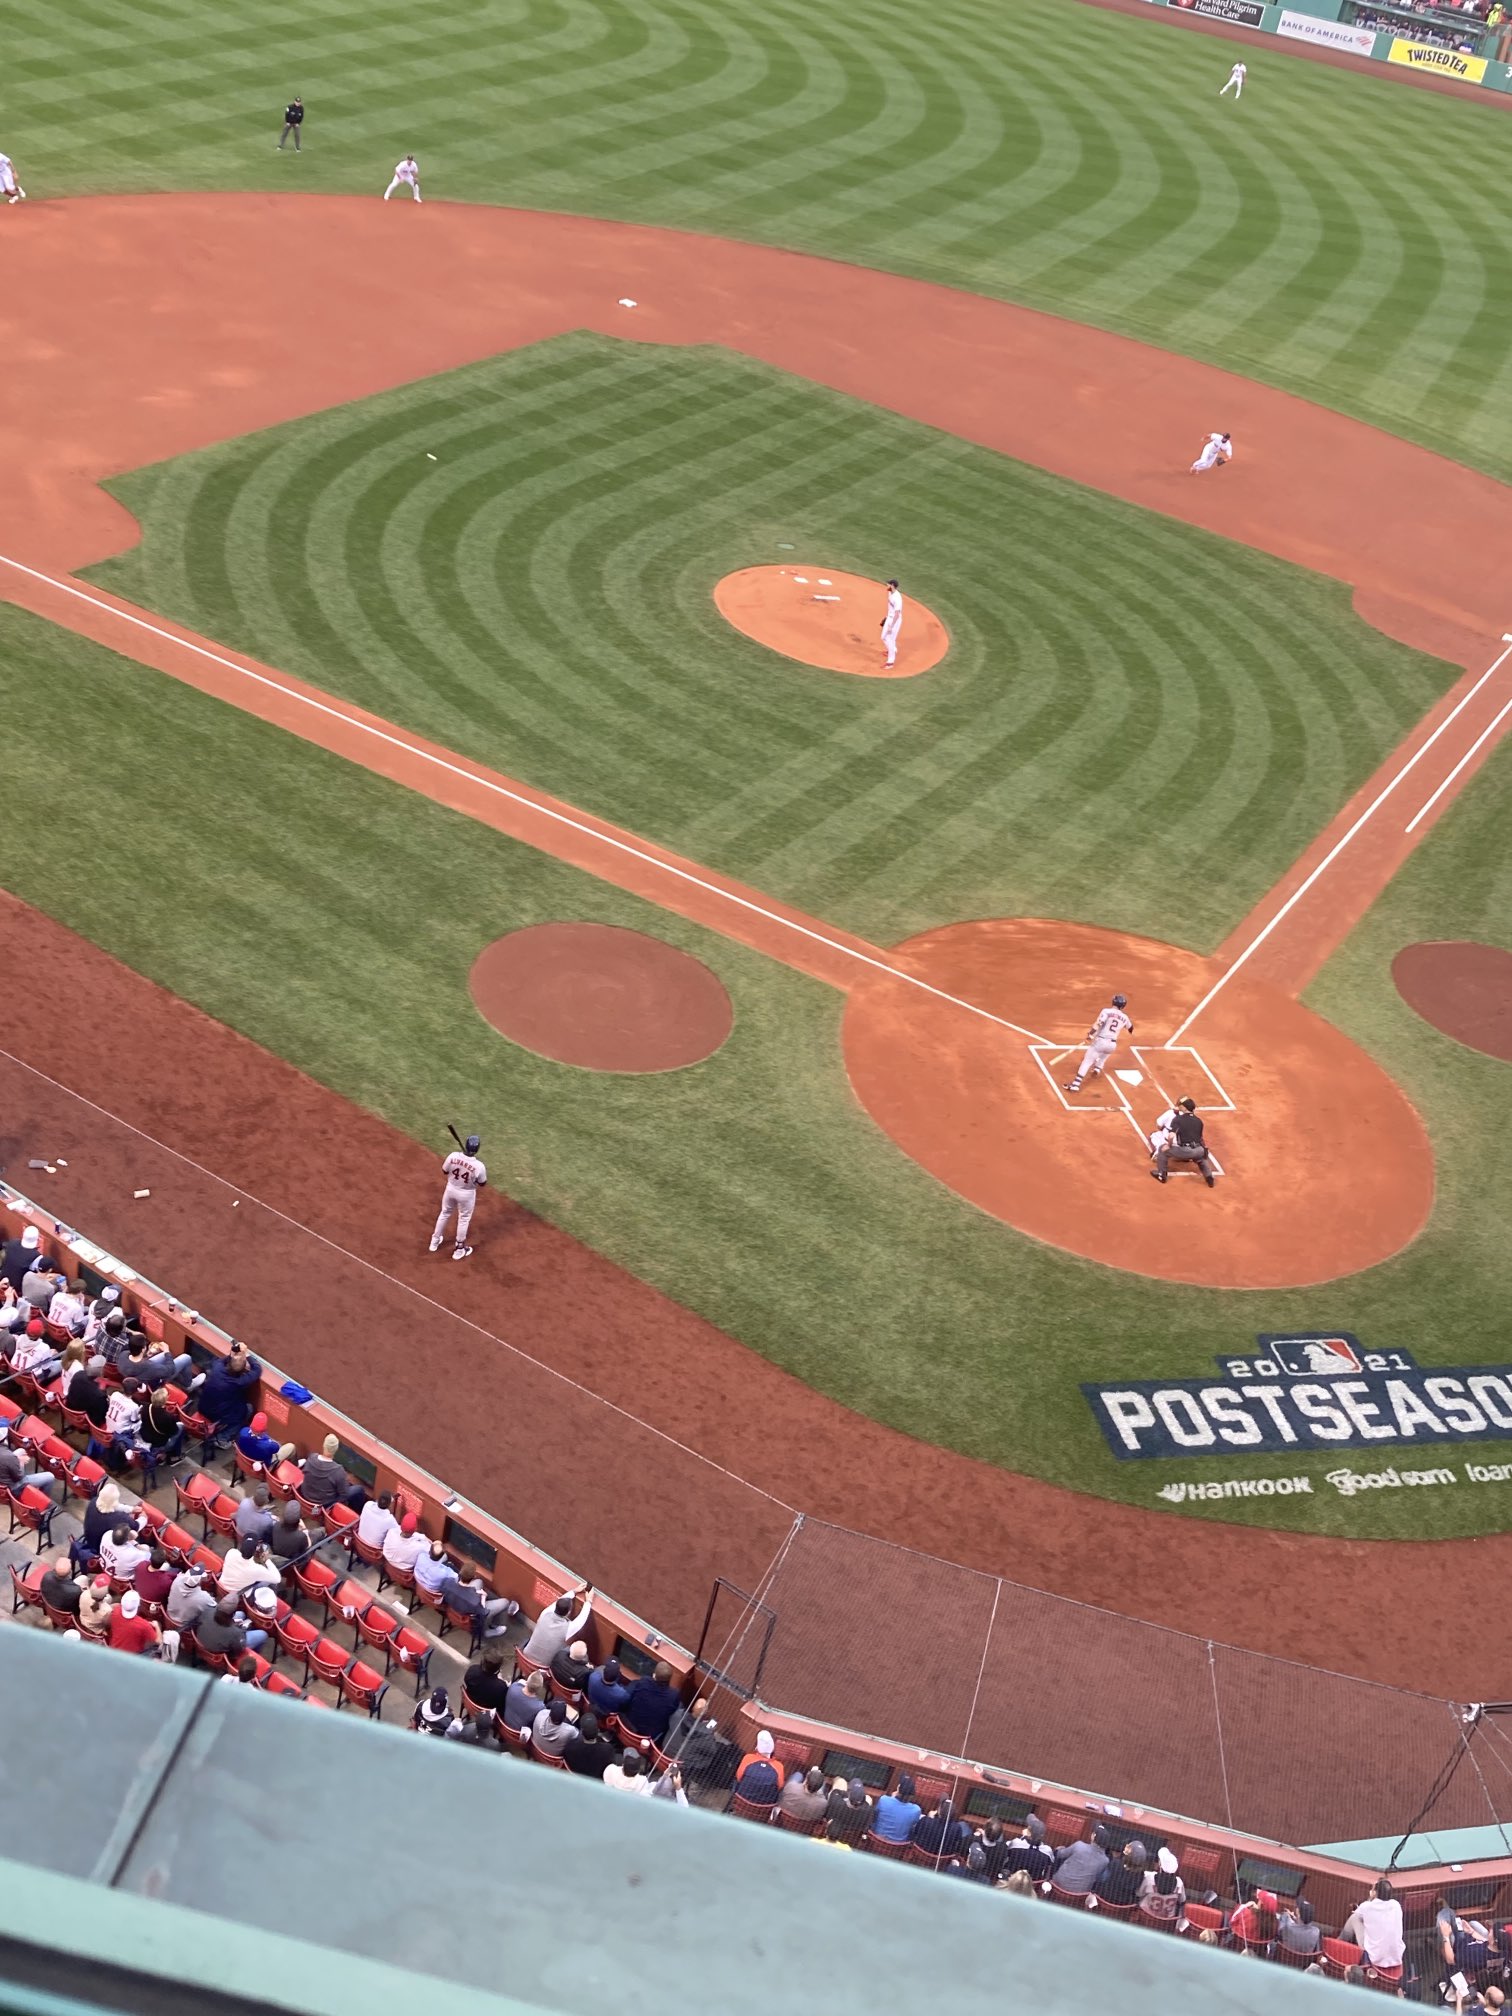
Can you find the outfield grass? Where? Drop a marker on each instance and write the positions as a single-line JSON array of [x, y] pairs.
[[540, 598], [1342, 235], [751, 1187]]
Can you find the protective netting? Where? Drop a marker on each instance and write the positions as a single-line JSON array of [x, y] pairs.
[[876, 1638]]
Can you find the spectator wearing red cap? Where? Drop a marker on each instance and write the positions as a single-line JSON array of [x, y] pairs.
[[95, 1606], [1253, 1925], [34, 1354], [403, 1544], [258, 1446]]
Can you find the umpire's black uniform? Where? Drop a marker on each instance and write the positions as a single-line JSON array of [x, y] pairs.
[[293, 120]]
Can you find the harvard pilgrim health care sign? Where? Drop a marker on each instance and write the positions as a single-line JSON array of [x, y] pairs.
[[1305, 1390]]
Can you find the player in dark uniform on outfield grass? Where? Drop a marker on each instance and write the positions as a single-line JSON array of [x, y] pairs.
[[293, 120]]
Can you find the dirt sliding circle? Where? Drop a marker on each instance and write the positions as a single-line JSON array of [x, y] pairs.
[[601, 997], [829, 620], [1464, 990], [1327, 1166]]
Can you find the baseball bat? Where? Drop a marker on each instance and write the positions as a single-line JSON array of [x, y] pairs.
[[455, 1136]]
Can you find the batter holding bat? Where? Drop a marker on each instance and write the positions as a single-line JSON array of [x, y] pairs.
[[1102, 1041], [465, 1176]]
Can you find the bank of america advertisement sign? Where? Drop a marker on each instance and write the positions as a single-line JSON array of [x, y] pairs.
[[1327, 34], [1305, 1390]]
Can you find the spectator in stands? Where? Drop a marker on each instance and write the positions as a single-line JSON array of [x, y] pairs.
[[15, 1472], [258, 1446], [433, 1716], [803, 1798], [589, 1752], [972, 1867], [465, 1592], [1079, 1867], [696, 1740], [224, 1632], [629, 1775], [940, 1833], [1375, 1925], [87, 1396], [758, 1778], [325, 1482], [154, 1577], [1029, 1852], [95, 1605], [254, 1516], [608, 1690], [161, 1431], [1295, 1930], [245, 1674], [553, 1729], [42, 1281], [377, 1520], [557, 1626], [652, 1704], [290, 1539], [995, 1846], [1462, 1951], [484, 1683], [123, 1412], [434, 1568], [247, 1566], [100, 1514], [189, 1601], [570, 1667], [898, 1813], [108, 1300], [69, 1308], [33, 1353], [668, 1784], [130, 1631], [155, 1365], [1120, 1882], [1253, 1924], [260, 1606], [107, 1342], [848, 1815], [403, 1548], [524, 1701], [16, 1260], [1021, 1883], [60, 1591], [122, 1551], [226, 1393]]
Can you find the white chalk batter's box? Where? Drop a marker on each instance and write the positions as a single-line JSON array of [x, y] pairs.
[[1178, 1066]]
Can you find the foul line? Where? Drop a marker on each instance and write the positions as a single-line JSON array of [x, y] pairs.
[[592, 832], [393, 1280], [1339, 845], [1484, 736]]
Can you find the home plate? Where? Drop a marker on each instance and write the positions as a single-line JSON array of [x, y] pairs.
[[1129, 1077]]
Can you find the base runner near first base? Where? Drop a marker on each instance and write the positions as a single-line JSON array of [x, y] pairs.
[[1102, 1041], [465, 1176]]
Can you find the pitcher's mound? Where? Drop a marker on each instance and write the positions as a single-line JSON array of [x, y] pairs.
[[601, 997], [829, 620], [1463, 989]]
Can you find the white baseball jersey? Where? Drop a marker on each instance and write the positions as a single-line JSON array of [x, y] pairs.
[[407, 171], [1108, 1027], [894, 606], [1238, 72], [7, 172], [466, 1170]]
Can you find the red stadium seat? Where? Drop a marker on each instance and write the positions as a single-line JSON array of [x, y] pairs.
[[363, 1687], [751, 1809], [31, 1511], [410, 1651], [328, 1661], [1199, 1918], [200, 1492], [26, 1590], [1339, 1955]]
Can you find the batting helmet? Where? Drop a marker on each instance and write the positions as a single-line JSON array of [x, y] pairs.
[[1120, 1000], [473, 1144]]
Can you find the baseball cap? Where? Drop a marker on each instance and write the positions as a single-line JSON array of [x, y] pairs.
[[259, 1423], [130, 1603], [36, 1327], [31, 1237], [1266, 1899], [409, 1523]]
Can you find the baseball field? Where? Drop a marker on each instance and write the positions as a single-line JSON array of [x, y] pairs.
[[359, 612]]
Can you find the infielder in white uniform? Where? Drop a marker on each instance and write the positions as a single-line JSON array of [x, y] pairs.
[[465, 1177], [406, 175], [10, 188], [1235, 82], [1102, 1041], [1217, 449], [892, 622]]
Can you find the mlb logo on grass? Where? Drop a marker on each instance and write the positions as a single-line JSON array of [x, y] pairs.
[[1306, 1353]]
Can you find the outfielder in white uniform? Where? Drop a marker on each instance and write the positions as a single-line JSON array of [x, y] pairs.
[[10, 188], [1235, 82], [406, 175], [892, 622], [465, 1177], [1102, 1041], [1216, 450]]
